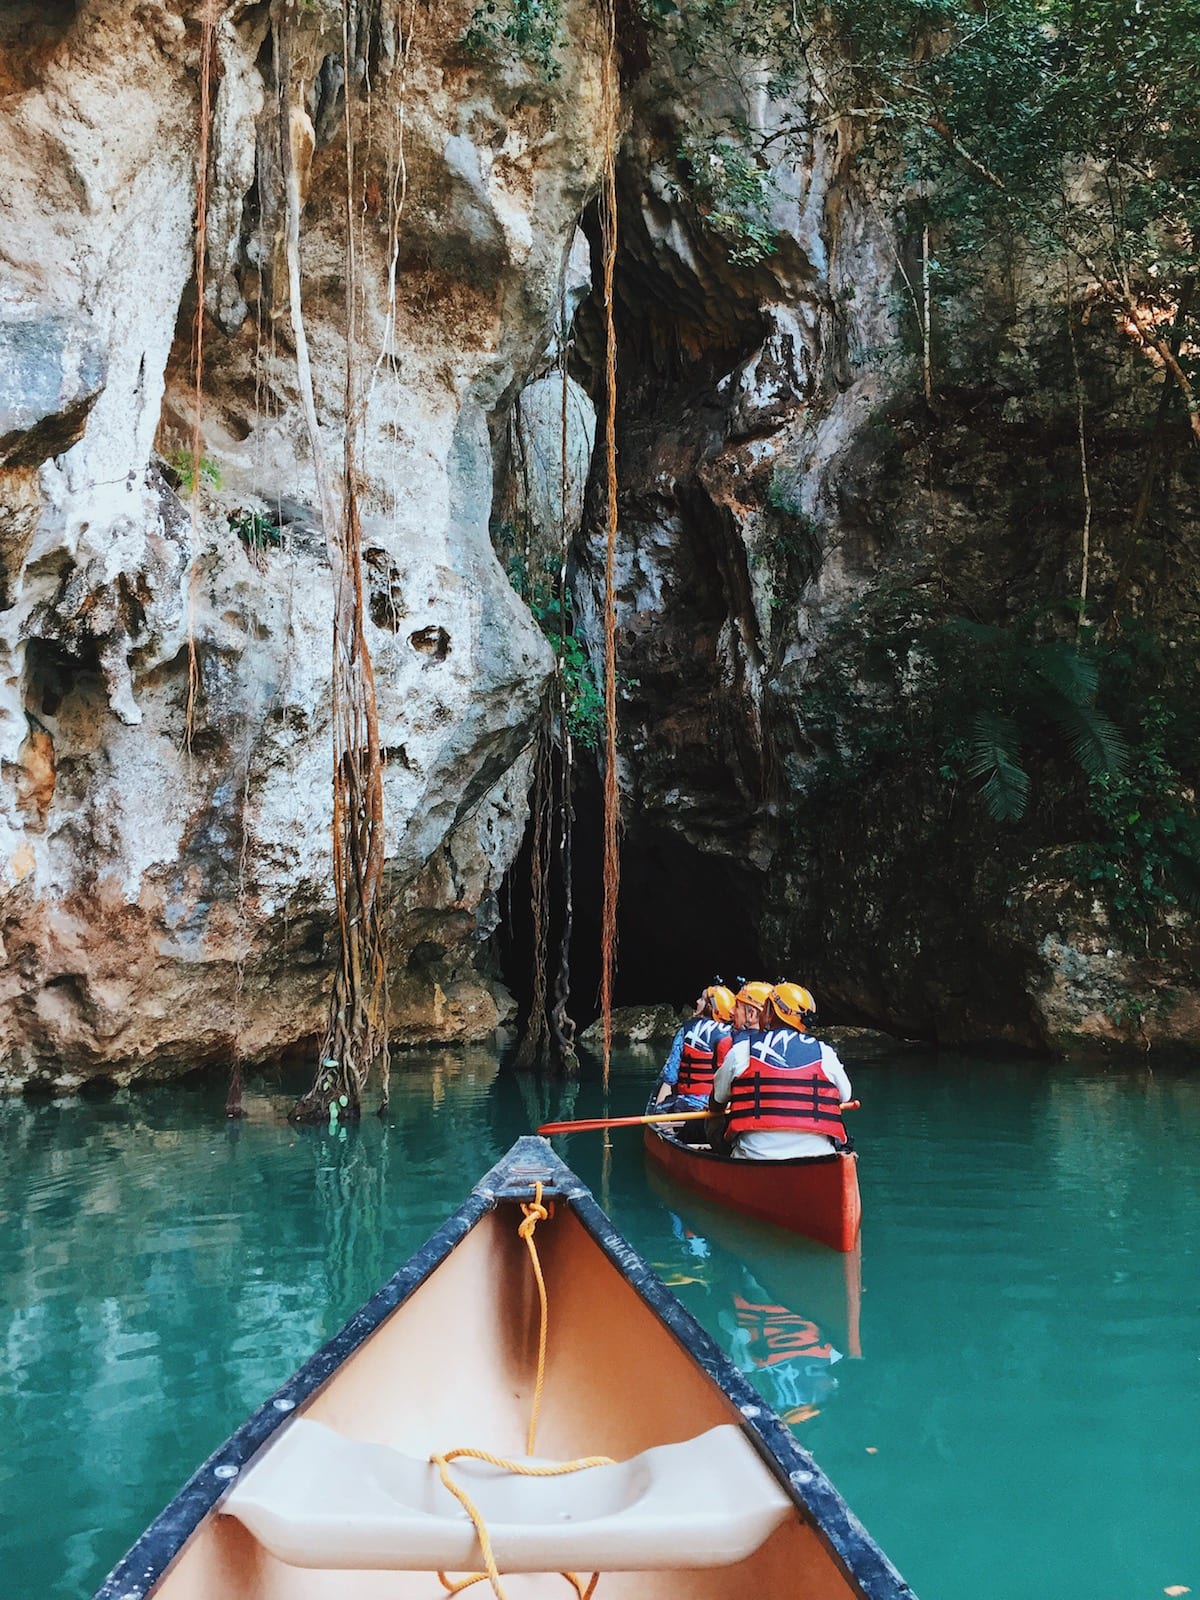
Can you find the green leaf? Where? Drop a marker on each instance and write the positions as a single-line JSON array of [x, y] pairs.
[[993, 754]]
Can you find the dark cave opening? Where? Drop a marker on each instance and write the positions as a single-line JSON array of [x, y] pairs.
[[683, 916], [54, 673]]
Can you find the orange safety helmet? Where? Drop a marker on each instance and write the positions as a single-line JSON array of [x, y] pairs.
[[720, 1001], [754, 994], [792, 1004]]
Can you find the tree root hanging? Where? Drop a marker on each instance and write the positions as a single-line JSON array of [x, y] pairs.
[[612, 793], [356, 1032]]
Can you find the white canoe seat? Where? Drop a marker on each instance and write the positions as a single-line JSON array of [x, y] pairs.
[[316, 1499]]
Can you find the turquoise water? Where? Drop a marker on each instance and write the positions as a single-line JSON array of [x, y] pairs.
[[1023, 1421]]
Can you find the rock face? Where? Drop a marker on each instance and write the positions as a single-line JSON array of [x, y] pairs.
[[165, 892], [636, 1025], [791, 507], [165, 596]]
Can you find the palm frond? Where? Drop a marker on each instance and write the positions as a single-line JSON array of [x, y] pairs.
[[1096, 742], [993, 754], [1066, 673]]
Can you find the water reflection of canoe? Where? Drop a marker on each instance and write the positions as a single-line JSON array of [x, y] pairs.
[[817, 1197], [795, 1273], [328, 1492]]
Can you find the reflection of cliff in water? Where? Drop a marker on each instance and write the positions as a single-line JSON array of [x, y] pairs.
[[788, 1308]]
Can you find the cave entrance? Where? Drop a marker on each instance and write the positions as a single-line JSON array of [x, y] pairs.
[[683, 918], [57, 680]]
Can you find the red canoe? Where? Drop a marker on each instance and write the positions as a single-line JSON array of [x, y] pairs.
[[817, 1197]]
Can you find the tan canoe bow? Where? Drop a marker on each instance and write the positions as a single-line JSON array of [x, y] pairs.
[[328, 1491]]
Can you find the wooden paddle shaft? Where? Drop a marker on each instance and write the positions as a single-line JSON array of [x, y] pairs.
[[591, 1124]]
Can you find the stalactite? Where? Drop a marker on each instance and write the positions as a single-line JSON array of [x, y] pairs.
[[612, 795]]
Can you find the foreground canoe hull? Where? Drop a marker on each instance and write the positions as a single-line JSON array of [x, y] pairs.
[[818, 1198], [445, 1356]]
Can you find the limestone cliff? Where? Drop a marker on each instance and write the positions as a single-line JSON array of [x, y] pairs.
[[799, 520], [165, 899], [792, 496]]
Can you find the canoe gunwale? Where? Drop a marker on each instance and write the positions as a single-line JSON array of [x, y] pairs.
[[148, 1559], [700, 1153], [830, 1213], [512, 1178], [803, 1480], [703, 1152]]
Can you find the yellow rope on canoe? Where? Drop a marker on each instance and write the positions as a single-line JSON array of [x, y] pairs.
[[532, 1214]]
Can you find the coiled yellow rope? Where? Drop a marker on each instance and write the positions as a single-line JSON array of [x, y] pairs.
[[533, 1214]]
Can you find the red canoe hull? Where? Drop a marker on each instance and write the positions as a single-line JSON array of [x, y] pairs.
[[818, 1198]]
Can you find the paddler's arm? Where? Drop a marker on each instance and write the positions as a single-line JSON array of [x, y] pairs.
[[670, 1072], [735, 1060], [831, 1066]]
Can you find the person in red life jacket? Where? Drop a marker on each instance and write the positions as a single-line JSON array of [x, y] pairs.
[[748, 1008], [748, 1005], [687, 1078], [782, 1088]]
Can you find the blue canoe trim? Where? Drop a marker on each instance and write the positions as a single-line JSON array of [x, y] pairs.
[[512, 1179]]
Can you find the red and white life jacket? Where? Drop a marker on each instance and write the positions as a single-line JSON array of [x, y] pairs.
[[784, 1089], [698, 1061]]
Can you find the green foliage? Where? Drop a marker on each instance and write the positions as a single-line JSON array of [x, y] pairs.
[[731, 189], [1010, 691], [1095, 745], [992, 752], [538, 584], [786, 549], [182, 464], [529, 29], [584, 703], [785, 494], [255, 529], [971, 701], [1130, 1011], [1145, 855], [1070, 124]]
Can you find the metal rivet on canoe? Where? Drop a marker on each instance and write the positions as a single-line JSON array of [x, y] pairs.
[[225, 1471], [284, 1405]]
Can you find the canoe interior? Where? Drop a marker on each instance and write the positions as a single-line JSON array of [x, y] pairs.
[[818, 1198], [455, 1366], [444, 1356]]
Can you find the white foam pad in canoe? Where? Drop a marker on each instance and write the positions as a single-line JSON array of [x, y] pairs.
[[316, 1499]]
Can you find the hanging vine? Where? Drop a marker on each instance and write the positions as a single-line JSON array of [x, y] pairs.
[[211, 13], [533, 1048], [549, 1036], [561, 1024], [210, 16], [356, 1028], [612, 793]]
